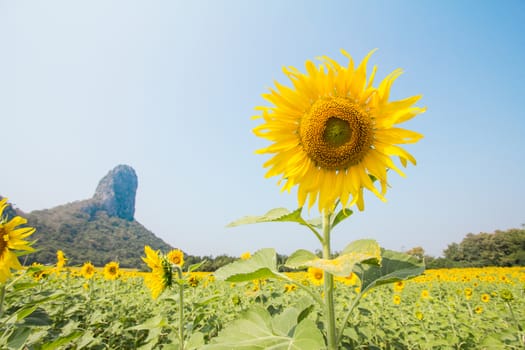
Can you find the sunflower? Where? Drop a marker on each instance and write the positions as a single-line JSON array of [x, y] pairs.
[[316, 275], [246, 256], [396, 299], [160, 276], [176, 257], [61, 259], [333, 133], [12, 238], [111, 270], [87, 270], [485, 298]]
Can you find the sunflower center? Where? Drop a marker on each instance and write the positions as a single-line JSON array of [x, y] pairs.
[[4, 238], [336, 133]]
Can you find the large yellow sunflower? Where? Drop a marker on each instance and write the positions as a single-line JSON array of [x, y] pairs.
[[333, 132], [160, 276], [12, 238]]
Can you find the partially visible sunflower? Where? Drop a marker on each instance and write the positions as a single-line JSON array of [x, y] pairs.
[[316, 275], [161, 273], [111, 270], [246, 256], [333, 133], [12, 238], [87, 270], [61, 259], [176, 257]]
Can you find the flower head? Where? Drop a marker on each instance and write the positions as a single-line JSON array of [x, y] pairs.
[[111, 270], [333, 133], [87, 270], [396, 299], [245, 256], [176, 257], [61, 259], [12, 237], [485, 298], [161, 273], [316, 275]]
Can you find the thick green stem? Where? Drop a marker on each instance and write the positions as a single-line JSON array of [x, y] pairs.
[[328, 286]]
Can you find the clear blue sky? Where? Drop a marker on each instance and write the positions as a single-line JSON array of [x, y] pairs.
[[169, 87]]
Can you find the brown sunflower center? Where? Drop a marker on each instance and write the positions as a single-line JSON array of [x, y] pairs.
[[336, 133], [3, 240]]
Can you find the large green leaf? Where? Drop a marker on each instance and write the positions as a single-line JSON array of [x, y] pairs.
[[300, 258], [274, 215], [361, 251], [257, 330], [394, 267], [263, 264]]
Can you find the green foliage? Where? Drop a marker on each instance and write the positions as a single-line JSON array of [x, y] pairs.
[[394, 267], [262, 265], [84, 237], [501, 248], [257, 329]]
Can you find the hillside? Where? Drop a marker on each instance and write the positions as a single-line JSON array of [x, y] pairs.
[[99, 229]]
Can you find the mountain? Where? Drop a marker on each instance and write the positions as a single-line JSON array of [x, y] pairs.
[[99, 229]]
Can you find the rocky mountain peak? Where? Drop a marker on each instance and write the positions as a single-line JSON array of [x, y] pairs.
[[116, 192]]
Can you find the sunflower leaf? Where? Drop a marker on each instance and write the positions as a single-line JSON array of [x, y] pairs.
[[274, 215], [299, 258], [262, 264], [342, 215], [256, 329], [394, 267], [361, 251]]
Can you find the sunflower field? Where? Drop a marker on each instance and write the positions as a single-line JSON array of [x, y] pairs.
[[57, 307]]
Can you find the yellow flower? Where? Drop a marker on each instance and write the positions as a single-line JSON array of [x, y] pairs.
[[160, 276], [111, 270], [478, 309], [425, 294], [289, 288], [61, 259], [399, 286], [485, 298], [12, 238], [193, 281], [87, 270], [396, 299], [245, 256], [468, 293], [333, 132], [419, 315], [316, 275], [176, 257]]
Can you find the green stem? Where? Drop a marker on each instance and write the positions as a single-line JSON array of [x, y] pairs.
[[347, 317], [2, 296], [328, 286], [181, 307]]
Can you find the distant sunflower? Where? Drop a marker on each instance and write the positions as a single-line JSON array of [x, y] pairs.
[[111, 270], [333, 132], [61, 259], [12, 238], [87, 270], [246, 256], [176, 257], [396, 299], [161, 273], [316, 275]]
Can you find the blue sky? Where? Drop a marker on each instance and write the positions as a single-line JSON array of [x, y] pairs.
[[169, 87]]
